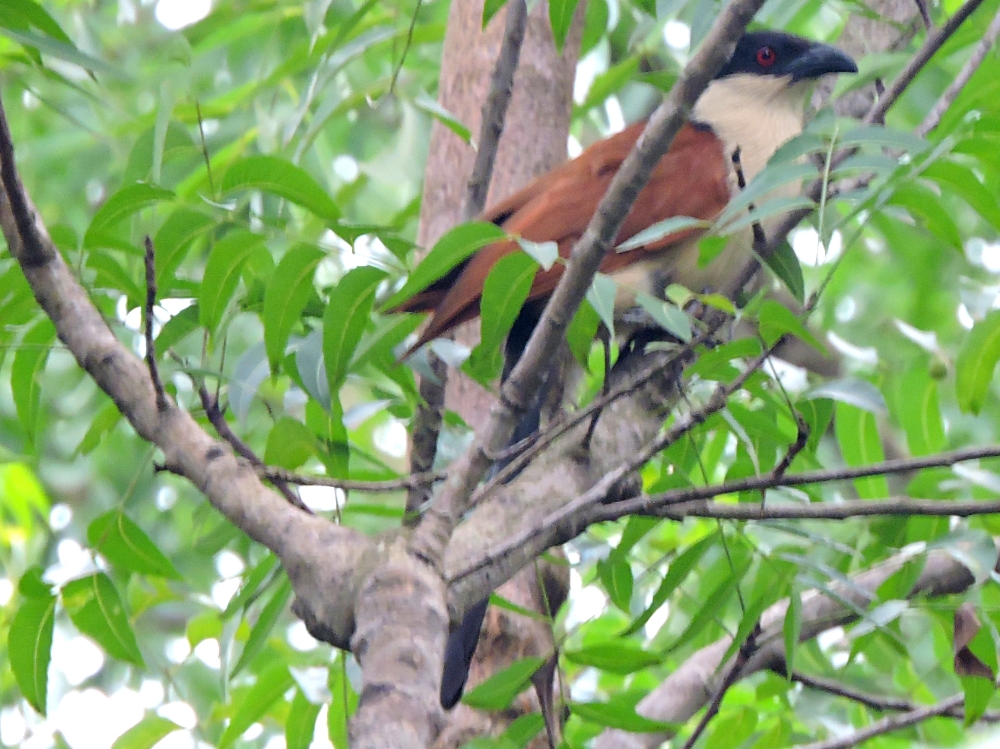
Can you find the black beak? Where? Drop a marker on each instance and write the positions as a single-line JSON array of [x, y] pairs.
[[818, 60]]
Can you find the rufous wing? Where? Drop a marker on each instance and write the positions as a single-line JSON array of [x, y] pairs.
[[690, 180]]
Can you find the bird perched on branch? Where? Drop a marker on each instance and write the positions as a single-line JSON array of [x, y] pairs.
[[754, 105]]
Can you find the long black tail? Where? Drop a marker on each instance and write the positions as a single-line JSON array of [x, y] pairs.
[[462, 640]]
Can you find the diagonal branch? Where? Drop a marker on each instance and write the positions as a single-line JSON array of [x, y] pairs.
[[432, 536], [318, 556]]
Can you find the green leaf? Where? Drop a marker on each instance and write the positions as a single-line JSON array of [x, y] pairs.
[[732, 729], [124, 203], [678, 571], [63, 51], [286, 297], [601, 295], [348, 313], [275, 175], [124, 544], [976, 361], [19, 14], [290, 443], [96, 609], [300, 725], [962, 181], [29, 361], [504, 293], [544, 253], [850, 390], [454, 247], [616, 577], [500, 689], [252, 585], [615, 656], [919, 412], [711, 609], [111, 274], [271, 684], [524, 728], [924, 204], [608, 82], [490, 9], [222, 273], [172, 242], [29, 647], [561, 18], [442, 115], [618, 714], [177, 328], [101, 424], [978, 692], [661, 230], [343, 705], [777, 320], [146, 733], [859, 443], [784, 263], [669, 317], [262, 628]]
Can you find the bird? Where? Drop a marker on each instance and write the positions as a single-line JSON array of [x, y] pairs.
[[755, 104]]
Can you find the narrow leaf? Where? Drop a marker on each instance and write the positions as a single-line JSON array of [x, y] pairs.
[[126, 202], [146, 733], [347, 315], [29, 647], [286, 297], [300, 725], [976, 361], [859, 443], [94, 606], [500, 689], [275, 175], [222, 273], [271, 684], [124, 544]]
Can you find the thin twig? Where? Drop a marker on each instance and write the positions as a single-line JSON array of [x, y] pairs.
[[600, 489], [406, 47], [837, 689], [746, 650], [162, 403], [888, 725], [935, 40], [33, 251], [348, 485], [646, 503], [850, 508], [218, 420], [426, 427], [951, 93], [204, 149], [495, 109]]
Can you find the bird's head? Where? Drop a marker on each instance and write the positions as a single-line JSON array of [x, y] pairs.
[[776, 55]]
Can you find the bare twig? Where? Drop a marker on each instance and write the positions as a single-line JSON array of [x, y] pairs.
[[218, 420], [826, 510], [732, 676], [390, 485], [516, 395], [162, 403], [34, 250], [951, 93], [495, 109], [888, 725], [837, 689], [600, 489], [650, 502], [935, 40], [406, 46], [426, 428]]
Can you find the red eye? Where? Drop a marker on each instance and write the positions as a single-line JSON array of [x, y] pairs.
[[766, 57]]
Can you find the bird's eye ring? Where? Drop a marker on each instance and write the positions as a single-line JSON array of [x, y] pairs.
[[766, 57]]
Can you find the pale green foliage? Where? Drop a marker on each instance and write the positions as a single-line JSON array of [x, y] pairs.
[[314, 168]]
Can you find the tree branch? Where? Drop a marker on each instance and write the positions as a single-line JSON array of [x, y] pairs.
[[687, 690], [320, 558]]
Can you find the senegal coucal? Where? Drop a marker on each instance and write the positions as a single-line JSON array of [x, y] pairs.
[[755, 104]]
